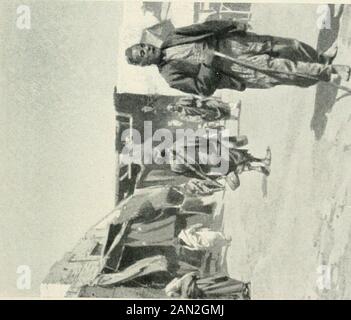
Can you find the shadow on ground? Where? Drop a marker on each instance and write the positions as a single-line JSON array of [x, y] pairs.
[[326, 94]]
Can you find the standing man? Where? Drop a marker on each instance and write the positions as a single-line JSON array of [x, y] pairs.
[[187, 59]]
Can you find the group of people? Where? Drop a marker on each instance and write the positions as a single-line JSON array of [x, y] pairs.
[[204, 57], [198, 60], [202, 184]]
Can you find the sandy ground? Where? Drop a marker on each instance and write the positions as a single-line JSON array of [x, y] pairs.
[[295, 243]]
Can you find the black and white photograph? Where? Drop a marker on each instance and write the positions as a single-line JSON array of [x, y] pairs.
[[175, 150]]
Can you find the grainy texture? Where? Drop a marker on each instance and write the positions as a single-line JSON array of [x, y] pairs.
[[58, 162]]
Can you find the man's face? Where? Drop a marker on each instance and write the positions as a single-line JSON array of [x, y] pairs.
[[145, 54]]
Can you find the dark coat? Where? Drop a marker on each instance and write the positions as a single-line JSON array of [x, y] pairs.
[[199, 79]]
